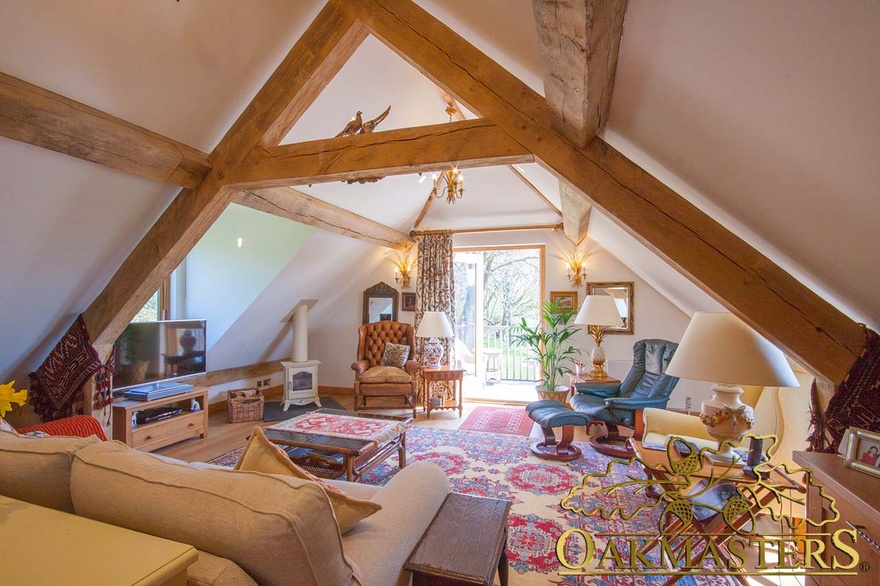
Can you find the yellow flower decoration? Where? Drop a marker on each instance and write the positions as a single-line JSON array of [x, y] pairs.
[[8, 396]]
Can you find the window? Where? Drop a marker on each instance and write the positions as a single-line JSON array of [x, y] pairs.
[[157, 306]]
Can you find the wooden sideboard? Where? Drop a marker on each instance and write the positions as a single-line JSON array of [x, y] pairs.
[[857, 498], [152, 436]]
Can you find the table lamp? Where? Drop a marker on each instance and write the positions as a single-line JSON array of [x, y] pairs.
[[720, 348], [596, 312], [434, 325]]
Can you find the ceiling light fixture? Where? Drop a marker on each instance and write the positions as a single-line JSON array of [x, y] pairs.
[[453, 179]]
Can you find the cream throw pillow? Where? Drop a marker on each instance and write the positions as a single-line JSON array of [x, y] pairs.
[[261, 455], [395, 355]]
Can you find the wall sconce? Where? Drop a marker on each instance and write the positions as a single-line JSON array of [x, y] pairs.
[[403, 268], [575, 262]]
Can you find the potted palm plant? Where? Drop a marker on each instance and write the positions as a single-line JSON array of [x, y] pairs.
[[550, 341]]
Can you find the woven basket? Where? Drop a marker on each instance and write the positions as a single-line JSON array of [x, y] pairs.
[[244, 405]]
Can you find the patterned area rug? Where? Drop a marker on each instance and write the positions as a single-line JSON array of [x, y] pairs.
[[506, 420], [501, 466]]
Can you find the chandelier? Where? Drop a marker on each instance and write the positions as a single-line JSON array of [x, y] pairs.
[[454, 185], [452, 180]]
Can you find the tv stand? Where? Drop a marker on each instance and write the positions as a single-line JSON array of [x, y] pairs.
[[152, 436]]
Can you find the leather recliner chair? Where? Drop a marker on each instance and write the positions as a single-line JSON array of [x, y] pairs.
[[646, 385]]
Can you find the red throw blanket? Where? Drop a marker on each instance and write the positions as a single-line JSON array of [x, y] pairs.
[[856, 402]]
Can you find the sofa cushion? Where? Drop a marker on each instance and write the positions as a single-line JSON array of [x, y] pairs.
[[280, 530], [210, 570], [395, 355], [385, 374], [261, 455], [37, 470]]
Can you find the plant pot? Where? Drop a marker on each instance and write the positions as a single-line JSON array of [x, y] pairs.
[[559, 394]]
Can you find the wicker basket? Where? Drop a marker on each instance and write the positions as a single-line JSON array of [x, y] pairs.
[[244, 405]]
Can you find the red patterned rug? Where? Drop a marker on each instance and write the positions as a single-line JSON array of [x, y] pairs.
[[506, 420], [501, 466]]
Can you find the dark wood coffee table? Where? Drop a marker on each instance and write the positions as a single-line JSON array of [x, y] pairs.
[[464, 544], [334, 457]]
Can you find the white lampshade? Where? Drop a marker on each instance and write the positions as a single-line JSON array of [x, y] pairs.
[[599, 310], [720, 348], [435, 324]]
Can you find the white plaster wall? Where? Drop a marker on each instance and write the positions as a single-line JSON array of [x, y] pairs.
[[223, 279], [334, 341]]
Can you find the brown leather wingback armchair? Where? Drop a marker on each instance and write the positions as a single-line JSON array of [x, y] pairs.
[[374, 380]]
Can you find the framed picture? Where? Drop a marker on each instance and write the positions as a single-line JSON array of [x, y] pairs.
[[566, 300], [408, 301], [622, 292], [863, 451]]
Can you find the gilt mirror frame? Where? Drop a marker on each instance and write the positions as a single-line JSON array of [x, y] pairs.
[[381, 290], [625, 289]]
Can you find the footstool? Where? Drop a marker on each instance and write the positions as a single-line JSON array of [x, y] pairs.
[[549, 414]]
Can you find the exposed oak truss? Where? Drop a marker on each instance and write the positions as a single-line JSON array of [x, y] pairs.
[[516, 126]]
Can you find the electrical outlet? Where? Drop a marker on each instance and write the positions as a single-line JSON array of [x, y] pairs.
[[259, 384]]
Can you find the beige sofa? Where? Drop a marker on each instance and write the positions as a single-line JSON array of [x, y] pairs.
[[250, 528]]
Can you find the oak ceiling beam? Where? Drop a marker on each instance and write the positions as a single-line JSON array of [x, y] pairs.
[[470, 143], [575, 213], [36, 116], [580, 41], [766, 297], [289, 203], [315, 58]]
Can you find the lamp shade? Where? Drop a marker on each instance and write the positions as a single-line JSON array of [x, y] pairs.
[[599, 310], [720, 348], [435, 324]]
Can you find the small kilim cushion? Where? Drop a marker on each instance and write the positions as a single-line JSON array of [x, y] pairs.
[[395, 355], [261, 455], [385, 374]]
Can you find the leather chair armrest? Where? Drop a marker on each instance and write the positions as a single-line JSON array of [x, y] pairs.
[[360, 367], [635, 403], [412, 367], [598, 389]]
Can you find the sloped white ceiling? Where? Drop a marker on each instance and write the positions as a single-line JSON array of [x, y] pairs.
[[768, 110], [65, 227]]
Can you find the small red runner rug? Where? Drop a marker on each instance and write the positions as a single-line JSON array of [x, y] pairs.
[[506, 420]]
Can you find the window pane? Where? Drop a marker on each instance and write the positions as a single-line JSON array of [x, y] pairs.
[[150, 311]]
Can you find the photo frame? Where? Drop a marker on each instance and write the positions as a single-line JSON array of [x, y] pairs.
[[622, 292], [407, 301], [567, 300], [863, 451]]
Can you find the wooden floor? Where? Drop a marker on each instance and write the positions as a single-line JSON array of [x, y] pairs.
[[224, 436]]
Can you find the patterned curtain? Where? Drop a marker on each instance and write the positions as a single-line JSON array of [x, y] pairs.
[[435, 288]]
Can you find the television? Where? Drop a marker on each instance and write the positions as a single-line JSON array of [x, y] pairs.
[[153, 351]]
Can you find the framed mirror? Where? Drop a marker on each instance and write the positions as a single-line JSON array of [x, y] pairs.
[[380, 303], [622, 293]]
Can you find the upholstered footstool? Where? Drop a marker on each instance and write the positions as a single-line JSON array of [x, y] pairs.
[[549, 414]]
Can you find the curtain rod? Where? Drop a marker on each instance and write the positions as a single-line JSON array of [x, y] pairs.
[[553, 227]]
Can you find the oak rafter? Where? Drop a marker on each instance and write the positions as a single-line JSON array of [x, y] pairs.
[[36, 116], [470, 143]]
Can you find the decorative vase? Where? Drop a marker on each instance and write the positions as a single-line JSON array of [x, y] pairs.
[[560, 393], [432, 353], [727, 419]]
